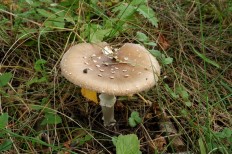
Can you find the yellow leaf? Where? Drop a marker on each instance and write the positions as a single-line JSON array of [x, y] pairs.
[[89, 94]]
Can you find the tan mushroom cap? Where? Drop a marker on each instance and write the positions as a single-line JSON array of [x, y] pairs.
[[87, 66]]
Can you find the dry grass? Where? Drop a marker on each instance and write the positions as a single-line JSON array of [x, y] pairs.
[[183, 25]]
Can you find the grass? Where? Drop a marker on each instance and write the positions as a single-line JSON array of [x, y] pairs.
[[191, 105]]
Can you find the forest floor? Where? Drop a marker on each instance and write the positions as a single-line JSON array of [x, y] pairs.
[[189, 110]]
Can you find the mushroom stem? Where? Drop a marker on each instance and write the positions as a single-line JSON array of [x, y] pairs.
[[107, 104]]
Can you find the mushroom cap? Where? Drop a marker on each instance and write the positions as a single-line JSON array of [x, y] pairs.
[[133, 70]]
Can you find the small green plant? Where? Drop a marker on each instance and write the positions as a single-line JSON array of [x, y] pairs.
[[7, 143], [126, 144], [134, 119], [182, 92], [80, 140], [164, 60], [226, 133], [225, 137], [141, 37], [5, 78], [3, 120], [39, 69], [196, 92], [50, 115], [127, 10], [179, 92], [51, 118], [215, 142], [145, 39]]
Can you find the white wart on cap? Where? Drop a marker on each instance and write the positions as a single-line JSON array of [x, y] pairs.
[[133, 70]]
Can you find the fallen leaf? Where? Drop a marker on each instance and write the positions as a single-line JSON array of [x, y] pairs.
[[67, 144], [89, 94], [159, 143], [163, 42]]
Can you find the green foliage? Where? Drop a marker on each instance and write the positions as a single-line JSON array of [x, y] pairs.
[[142, 37], [63, 15], [225, 136], [229, 6], [207, 60], [171, 92], [202, 146], [44, 107], [225, 133], [51, 118], [45, 13], [5, 78], [6, 145], [126, 10], [137, 2], [3, 120], [39, 65], [145, 39], [55, 17], [164, 60], [149, 14], [167, 60], [161, 57], [39, 69], [37, 80], [99, 35], [180, 92], [84, 139], [126, 144], [24, 30], [126, 13], [219, 142], [50, 115], [96, 33], [152, 44], [134, 119]]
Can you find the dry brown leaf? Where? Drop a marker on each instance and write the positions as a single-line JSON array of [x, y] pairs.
[[159, 143], [162, 41], [67, 144]]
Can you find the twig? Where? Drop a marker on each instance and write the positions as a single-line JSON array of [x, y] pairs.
[[146, 101]]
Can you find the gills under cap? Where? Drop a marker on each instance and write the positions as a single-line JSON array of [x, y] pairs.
[[129, 70]]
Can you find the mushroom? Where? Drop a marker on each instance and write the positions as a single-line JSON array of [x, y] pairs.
[[128, 70]]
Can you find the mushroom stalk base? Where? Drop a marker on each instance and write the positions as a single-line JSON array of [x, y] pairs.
[[107, 104]]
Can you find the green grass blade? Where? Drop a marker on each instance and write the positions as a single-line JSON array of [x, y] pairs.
[[202, 146], [205, 58]]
